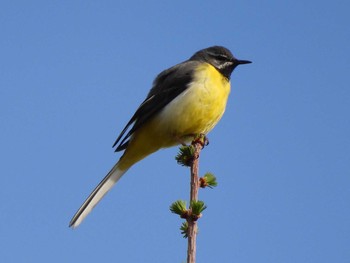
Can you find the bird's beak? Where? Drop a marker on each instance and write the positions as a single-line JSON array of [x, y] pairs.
[[241, 62]]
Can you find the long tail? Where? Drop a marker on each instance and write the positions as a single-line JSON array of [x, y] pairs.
[[99, 192]]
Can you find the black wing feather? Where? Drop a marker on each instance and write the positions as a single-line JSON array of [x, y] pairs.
[[166, 87]]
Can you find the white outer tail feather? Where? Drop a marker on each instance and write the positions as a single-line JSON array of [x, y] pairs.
[[97, 194]]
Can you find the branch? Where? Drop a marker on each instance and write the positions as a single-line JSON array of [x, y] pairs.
[[189, 156], [195, 184]]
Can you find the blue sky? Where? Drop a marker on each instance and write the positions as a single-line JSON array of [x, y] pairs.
[[73, 72]]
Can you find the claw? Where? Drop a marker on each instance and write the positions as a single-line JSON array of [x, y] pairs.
[[201, 139]]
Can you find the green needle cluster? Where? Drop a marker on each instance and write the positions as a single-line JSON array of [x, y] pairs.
[[197, 207], [184, 229], [179, 208], [208, 180], [185, 155]]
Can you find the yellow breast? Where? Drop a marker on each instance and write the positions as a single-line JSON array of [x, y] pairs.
[[199, 108]]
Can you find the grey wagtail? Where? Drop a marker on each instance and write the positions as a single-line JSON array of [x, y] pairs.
[[185, 100]]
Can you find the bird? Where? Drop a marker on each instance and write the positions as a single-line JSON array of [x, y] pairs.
[[185, 100]]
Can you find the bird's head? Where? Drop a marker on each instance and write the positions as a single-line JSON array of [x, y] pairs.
[[219, 57]]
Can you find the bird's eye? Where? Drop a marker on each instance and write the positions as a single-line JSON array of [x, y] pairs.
[[221, 58]]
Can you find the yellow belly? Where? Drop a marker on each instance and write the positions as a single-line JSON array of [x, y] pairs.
[[197, 110]]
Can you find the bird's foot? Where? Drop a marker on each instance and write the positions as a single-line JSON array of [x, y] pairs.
[[202, 139]]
